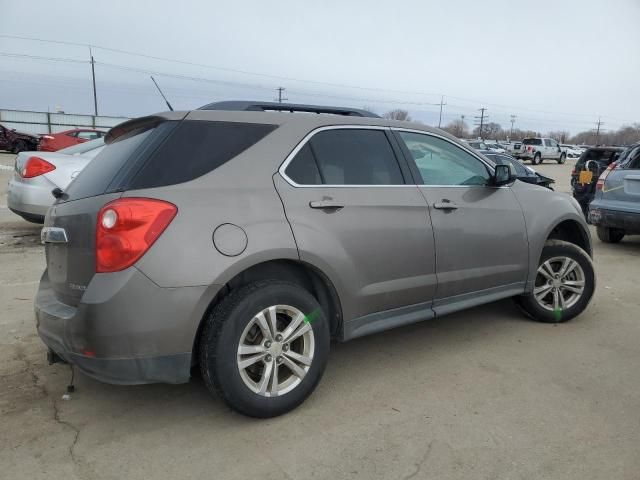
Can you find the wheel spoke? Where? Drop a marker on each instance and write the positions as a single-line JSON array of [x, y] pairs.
[[304, 328], [272, 318], [572, 288], [295, 322], [556, 299], [298, 358], [250, 349], [266, 377], [295, 369], [264, 326], [274, 381], [542, 291], [247, 362], [568, 266], [546, 270]]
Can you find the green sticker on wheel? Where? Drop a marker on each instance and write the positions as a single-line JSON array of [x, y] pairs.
[[557, 313], [312, 316]]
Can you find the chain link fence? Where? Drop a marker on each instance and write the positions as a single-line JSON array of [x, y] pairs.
[[46, 122]]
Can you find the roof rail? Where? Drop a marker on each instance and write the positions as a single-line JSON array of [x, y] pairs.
[[245, 106]]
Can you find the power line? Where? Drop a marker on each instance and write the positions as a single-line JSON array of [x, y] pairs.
[[280, 77]]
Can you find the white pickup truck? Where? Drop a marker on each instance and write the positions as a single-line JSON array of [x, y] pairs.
[[538, 149]]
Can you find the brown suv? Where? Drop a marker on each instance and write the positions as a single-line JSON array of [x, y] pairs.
[[16, 142]]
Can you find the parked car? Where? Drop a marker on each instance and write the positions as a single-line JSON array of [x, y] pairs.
[[494, 147], [15, 142], [37, 174], [538, 150], [572, 151], [593, 162], [277, 231], [523, 173], [476, 144], [57, 141], [615, 210]]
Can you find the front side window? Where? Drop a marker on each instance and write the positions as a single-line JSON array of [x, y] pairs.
[[347, 156], [440, 162]]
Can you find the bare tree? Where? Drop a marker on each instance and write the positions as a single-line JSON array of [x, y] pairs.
[[398, 114], [490, 131], [457, 128]]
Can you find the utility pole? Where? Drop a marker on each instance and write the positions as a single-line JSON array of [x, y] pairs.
[[441, 105], [481, 118], [461, 125], [280, 90], [93, 76], [598, 125], [513, 120]]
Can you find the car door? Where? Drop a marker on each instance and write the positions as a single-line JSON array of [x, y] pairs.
[[357, 215], [480, 234]]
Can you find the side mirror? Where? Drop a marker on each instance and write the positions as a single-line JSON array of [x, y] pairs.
[[504, 175]]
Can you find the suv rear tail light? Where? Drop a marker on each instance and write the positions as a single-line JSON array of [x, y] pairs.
[[36, 166], [603, 177], [126, 229]]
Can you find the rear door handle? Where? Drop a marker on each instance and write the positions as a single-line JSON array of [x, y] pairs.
[[326, 205], [445, 205]]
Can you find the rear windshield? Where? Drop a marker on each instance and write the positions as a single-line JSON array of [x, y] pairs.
[[532, 141], [83, 147], [600, 156]]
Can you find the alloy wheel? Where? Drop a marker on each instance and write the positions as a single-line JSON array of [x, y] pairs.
[[276, 350], [560, 283]]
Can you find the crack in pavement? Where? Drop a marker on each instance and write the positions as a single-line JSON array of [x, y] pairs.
[[54, 403], [418, 466]]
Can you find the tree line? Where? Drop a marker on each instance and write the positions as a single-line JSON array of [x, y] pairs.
[[625, 135]]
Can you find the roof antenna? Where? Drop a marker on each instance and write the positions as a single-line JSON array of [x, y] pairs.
[[165, 98]]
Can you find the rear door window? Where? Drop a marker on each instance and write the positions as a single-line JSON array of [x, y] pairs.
[[303, 169], [355, 157]]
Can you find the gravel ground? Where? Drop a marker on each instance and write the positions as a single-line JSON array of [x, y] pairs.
[[481, 394]]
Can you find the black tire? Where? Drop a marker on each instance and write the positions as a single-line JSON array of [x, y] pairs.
[[223, 331], [559, 248], [19, 146], [610, 235], [562, 159], [537, 159]]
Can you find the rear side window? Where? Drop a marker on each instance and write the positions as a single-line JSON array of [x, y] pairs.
[[303, 168], [195, 148], [355, 157], [532, 141]]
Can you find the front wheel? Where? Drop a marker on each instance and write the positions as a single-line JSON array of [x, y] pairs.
[[609, 235], [564, 284], [264, 348], [562, 159]]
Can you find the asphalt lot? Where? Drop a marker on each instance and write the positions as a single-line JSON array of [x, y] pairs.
[[481, 394]]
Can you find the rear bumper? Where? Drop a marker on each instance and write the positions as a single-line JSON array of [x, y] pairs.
[[33, 199], [627, 221], [125, 330]]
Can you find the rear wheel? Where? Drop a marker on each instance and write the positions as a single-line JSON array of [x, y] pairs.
[[537, 159], [610, 235], [562, 159], [564, 284], [264, 348]]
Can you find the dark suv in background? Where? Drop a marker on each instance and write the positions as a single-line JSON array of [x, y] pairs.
[[595, 161]]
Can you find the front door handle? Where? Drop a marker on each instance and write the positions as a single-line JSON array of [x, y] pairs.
[[326, 205], [445, 205]]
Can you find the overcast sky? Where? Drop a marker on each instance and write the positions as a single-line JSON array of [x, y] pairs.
[[554, 64]]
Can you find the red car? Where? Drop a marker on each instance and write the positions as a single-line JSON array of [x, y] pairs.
[[53, 142]]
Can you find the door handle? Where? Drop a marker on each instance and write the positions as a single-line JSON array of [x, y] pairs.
[[326, 205], [445, 205]]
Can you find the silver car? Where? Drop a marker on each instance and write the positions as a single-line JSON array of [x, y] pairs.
[[37, 174], [242, 239]]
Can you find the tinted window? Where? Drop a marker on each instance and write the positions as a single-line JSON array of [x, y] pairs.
[[88, 135], [97, 175], [195, 148], [303, 168], [633, 159], [356, 157], [442, 163], [532, 141], [601, 156], [521, 170], [83, 147]]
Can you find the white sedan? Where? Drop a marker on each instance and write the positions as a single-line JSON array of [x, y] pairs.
[[36, 174]]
